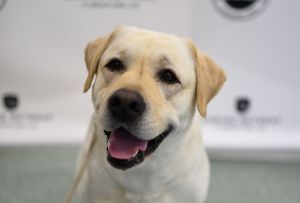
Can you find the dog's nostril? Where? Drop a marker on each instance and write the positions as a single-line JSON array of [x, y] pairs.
[[126, 105]]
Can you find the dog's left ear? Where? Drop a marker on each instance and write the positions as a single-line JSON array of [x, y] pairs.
[[93, 53], [210, 78]]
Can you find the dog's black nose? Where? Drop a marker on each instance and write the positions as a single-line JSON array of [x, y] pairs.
[[126, 105]]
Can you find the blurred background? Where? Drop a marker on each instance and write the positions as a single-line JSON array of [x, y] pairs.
[[252, 132]]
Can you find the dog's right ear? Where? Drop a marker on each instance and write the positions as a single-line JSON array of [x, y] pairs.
[[93, 53]]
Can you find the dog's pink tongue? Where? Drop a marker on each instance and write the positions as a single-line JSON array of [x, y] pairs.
[[123, 145]]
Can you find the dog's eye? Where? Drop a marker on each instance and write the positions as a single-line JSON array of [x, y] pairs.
[[168, 76], [115, 65]]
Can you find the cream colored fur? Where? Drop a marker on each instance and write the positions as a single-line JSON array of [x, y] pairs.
[[178, 170]]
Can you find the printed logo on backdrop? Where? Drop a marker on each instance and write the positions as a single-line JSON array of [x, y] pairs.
[[242, 105], [115, 4], [2, 3], [13, 118], [243, 118], [10, 102], [240, 9]]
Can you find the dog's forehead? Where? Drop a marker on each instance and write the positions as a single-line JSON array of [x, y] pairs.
[[138, 35], [140, 39]]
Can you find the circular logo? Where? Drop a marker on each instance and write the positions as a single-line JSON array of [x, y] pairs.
[[240, 9], [2, 3]]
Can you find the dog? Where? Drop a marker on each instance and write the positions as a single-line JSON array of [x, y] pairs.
[[143, 143]]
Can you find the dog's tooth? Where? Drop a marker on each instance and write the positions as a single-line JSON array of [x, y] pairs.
[[136, 153]]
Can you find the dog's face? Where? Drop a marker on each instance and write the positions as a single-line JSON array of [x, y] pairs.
[[146, 89]]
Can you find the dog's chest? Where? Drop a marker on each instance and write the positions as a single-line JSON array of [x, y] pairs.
[[143, 184]]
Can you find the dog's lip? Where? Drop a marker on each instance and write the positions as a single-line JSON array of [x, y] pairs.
[[139, 157], [161, 136]]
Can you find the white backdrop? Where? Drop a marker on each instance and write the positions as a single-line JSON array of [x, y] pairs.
[[42, 68], [261, 56]]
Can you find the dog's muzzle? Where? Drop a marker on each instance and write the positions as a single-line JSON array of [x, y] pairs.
[[125, 150]]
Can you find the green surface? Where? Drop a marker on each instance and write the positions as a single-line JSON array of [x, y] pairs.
[[43, 174]]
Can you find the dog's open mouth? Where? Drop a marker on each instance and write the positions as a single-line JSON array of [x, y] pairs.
[[125, 150]]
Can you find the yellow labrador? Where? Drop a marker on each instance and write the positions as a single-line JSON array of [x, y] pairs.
[[143, 144]]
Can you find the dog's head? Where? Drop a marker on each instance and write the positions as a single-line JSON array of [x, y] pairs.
[[146, 88]]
